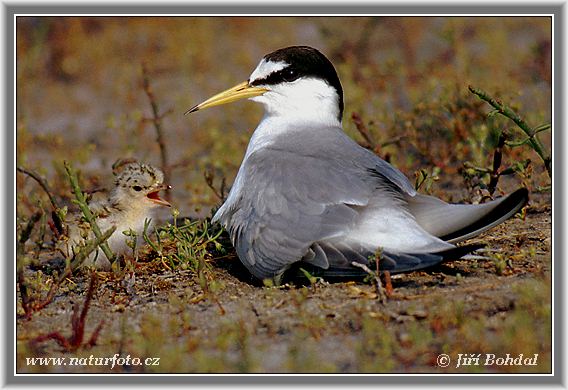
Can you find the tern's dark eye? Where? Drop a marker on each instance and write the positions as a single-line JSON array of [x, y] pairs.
[[289, 74], [137, 188]]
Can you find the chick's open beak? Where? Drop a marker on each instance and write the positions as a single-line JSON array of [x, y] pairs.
[[241, 91], [154, 196]]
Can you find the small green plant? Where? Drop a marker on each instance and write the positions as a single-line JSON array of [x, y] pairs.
[[186, 246], [312, 279], [132, 238], [81, 201], [532, 141], [500, 262], [189, 247], [426, 179]]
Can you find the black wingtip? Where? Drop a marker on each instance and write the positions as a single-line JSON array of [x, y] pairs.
[[391, 262], [505, 210]]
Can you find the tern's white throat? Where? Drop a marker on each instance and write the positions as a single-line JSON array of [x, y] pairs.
[[308, 101]]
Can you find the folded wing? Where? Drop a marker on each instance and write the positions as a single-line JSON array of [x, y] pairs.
[[458, 222]]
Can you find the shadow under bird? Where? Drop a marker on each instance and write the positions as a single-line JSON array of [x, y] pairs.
[[306, 192]]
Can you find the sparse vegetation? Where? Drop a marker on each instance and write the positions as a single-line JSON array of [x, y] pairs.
[[187, 299], [78, 319], [81, 201], [532, 139]]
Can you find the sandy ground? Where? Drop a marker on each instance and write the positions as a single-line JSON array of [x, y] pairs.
[[241, 326]]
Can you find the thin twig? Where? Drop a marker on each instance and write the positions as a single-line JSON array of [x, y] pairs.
[[497, 158], [93, 340], [209, 177], [22, 285], [182, 163], [376, 278], [157, 121], [54, 203], [388, 283], [42, 182], [58, 337], [358, 121], [78, 319], [469, 165], [27, 231], [386, 274], [520, 122]]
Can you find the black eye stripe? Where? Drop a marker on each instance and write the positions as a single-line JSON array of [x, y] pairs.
[[288, 74]]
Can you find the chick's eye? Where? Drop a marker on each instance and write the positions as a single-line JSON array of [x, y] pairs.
[[289, 74], [137, 188]]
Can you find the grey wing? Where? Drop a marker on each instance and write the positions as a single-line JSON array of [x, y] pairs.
[[290, 202], [338, 144]]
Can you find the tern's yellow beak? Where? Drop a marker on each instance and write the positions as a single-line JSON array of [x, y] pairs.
[[238, 92]]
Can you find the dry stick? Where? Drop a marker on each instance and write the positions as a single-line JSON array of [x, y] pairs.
[[26, 301], [209, 177], [78, 320], [61, 340], [27, 231], [157, 121], [183, 163], [377, 279], [43, 184], [386, 274], [93, 340], [23, 286], [363, 130], [507, 112], [224, 188], [82, 203], [497, 158], [41, 181], [388, 283]]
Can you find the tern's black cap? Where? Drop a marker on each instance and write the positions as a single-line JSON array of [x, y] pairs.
[[304, 61]]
